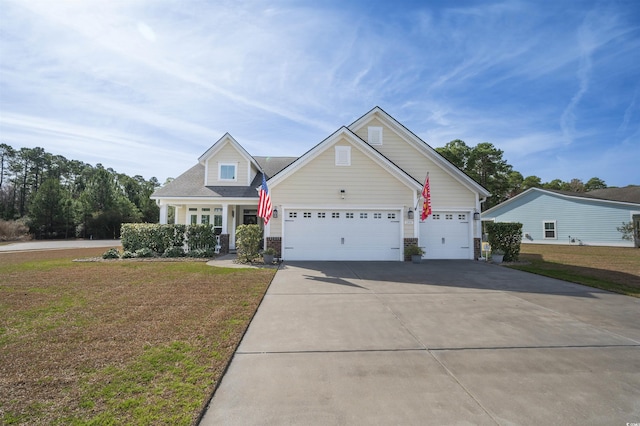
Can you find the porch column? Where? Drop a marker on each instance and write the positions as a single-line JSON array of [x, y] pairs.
[[163, 214], [225, 219]]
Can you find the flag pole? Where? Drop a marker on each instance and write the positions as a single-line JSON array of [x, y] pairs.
[[418, 201]]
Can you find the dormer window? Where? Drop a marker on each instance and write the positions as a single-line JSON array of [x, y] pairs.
[[227, 171]]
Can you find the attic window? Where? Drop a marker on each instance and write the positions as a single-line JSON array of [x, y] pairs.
[[343, 155], [375, 135], [227, 172]]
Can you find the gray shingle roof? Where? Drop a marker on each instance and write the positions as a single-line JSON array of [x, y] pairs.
[[189, 184], [627, 194]]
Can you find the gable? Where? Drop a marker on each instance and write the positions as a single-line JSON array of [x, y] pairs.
[[413, 155], [319, 175], [228, 164]]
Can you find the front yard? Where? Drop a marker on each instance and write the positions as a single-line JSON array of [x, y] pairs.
[[116, 342], [610, 268]]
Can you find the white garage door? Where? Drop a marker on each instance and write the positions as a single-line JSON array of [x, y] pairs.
[[446, 235], [342, 235]]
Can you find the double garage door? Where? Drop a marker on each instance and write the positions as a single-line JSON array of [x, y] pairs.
[[342, 235]]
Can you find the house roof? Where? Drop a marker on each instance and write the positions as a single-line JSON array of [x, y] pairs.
[[629, 195], [189, 184]]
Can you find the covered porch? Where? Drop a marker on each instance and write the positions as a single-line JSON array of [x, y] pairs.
[[224, 216]]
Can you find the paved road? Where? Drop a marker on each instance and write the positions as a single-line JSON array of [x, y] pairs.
[[442, 342], [57, 245]]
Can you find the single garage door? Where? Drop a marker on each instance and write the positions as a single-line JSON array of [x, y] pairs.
[[446, 235], [342, 235]]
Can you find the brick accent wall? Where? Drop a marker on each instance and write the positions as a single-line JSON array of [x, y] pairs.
[[276, 244], [477, 248], [409, 242], [224, 243]]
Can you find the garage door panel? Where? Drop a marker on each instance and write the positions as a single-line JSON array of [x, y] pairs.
[[342, 235]]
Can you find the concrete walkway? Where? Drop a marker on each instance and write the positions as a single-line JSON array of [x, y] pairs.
[[442, 342]]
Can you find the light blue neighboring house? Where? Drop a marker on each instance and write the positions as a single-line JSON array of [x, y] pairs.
[[561, 217]]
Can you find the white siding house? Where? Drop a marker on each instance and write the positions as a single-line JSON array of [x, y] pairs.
[[560, 217], [353, 196]]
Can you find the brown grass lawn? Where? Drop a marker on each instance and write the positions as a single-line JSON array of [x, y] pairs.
[[116, 342], [610, 268]]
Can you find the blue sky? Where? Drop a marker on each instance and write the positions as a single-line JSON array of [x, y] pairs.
[[147, 86]]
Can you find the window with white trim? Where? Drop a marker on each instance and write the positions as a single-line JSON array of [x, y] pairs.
[[391, 215], [550, 230], [306, 215], [363, 215], [377, 215], [293, 215], [343, 155], [349, 215], [335, 215], [227, 171], [375, 135], [322, 215]]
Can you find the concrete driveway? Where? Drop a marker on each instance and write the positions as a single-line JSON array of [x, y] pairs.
[[442, 342], [57, 245]]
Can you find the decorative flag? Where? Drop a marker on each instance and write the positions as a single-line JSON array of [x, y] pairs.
[[264, 203], [426, 204]]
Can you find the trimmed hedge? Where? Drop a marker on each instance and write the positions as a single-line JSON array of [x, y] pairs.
[[506, 237], [167, 239]]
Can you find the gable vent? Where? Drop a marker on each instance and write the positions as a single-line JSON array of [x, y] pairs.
[[375, 135], [343, 155]]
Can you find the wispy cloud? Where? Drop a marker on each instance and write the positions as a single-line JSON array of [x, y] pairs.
[[99, 79]]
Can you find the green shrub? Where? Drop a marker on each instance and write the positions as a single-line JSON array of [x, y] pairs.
[[200, 237], [128, 254], [201, 253], [155, 237], [505, 237], [112, 253], [173, 252], [248, 238], [144, 252]]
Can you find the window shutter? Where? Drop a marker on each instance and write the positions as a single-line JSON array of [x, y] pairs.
[[375, 135]]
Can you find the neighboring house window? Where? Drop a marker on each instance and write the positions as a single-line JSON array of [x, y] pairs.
[[227, 171], [550, 230], [343, 155], [193, 216], [205, 219], [375, 135]]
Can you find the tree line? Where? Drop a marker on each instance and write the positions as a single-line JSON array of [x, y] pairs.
[[61, 198], [485, 164]]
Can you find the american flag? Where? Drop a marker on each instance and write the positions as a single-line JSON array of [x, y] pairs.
[[426, 205], [264, 204]]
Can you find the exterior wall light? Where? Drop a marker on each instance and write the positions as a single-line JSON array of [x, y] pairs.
[[476, 216], [342, 193], [275, 213], [410, 214]]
